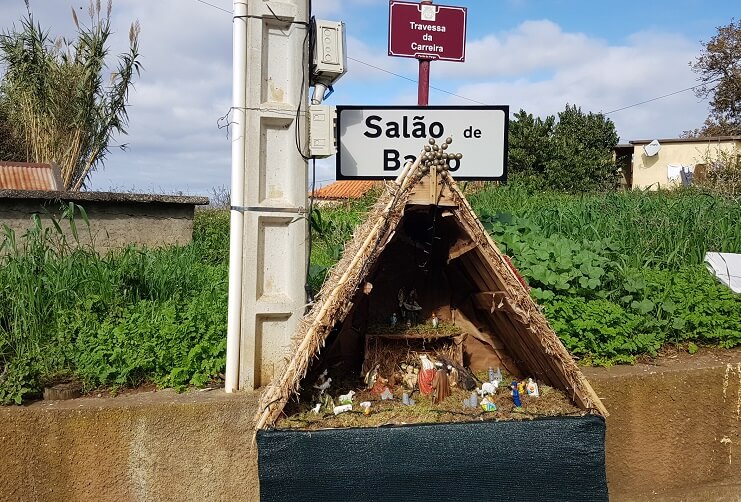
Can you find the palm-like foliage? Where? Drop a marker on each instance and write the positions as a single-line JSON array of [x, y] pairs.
[[56, 99]]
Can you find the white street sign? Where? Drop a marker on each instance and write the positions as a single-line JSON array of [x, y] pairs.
[[374, 142]]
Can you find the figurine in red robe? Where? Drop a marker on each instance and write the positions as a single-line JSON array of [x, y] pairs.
[[426, 375]]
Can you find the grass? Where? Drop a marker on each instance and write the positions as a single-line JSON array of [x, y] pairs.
[[650, 229], [159, 315], [131, 316]]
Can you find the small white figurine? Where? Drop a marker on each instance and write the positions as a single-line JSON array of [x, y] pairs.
[[495, 377], [387, 395], [342, 409], [532, 388], [347, 398], [394, 320], [366, 407], [316, 408], [487, 389], [435, 320], [323, 385]]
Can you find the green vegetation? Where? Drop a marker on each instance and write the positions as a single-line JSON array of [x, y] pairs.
[[331, 229], [619, 275], [571, 152], [57, 99], [119, 320]]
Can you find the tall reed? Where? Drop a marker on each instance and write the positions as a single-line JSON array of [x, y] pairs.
[[665, 229]]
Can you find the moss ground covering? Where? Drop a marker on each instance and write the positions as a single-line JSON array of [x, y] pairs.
[[619, 275]]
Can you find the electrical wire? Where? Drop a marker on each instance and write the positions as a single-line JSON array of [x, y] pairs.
[[661, 97], [304, 82], [307, 284], [444, 91], [214, 6], [415, 81]]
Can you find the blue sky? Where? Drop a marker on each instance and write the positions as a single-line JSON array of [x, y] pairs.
[[532, 54]]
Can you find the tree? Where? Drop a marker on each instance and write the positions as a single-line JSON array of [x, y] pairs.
[[573, 153], [719, 72], [57, 102], [529, 143]]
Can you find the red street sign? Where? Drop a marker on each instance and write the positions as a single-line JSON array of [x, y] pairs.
[[427, 31]]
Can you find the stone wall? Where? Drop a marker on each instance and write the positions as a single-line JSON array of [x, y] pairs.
[[116, 220], [674, 433]]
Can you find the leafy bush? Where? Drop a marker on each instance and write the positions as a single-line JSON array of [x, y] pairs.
[[608, 313], [554, 265], [573, 153], [599, 331], [171, 343]]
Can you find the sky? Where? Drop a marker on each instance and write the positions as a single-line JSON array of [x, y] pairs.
[[535, 55]]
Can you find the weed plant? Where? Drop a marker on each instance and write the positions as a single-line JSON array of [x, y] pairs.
[[620, 274], [118, 320]]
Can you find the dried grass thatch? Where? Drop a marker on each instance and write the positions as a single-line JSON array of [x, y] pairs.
[[528, 334], [369, 239]]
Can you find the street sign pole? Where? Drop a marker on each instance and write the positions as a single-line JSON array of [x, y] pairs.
[[423, 86]]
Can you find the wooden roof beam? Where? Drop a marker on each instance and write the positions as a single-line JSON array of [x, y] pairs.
[[461, 247]]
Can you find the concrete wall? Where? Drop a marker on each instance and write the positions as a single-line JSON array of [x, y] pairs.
[[651, 172], [674, 433], [116, 220]]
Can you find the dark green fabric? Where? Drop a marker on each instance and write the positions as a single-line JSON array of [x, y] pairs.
[[559, 458]]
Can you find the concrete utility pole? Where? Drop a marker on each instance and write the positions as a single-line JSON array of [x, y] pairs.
[[271, 210]]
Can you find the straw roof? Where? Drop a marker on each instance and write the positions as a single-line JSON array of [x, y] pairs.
[[519, 322]]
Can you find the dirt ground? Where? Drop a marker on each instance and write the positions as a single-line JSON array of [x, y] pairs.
[[298, 415]]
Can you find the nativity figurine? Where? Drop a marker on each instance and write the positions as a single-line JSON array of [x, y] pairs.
[[426, 375], [440, 384]]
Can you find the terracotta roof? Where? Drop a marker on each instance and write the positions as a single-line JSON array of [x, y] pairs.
[[28, 176], [346, 189]]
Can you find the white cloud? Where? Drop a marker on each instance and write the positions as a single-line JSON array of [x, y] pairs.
[[532, 46], [330, 8], [552, 68], [175, 144]]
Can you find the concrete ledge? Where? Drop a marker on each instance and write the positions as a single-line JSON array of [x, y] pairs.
[[146, 447], [103, 197], [674, 427], [665, 440]]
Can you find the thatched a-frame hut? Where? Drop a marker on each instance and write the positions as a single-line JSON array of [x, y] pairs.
[[423, 232]]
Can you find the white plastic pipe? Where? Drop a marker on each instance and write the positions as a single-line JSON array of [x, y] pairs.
[[236, 227]]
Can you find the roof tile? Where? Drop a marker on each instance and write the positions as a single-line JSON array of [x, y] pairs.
[[28, 176], [345, 189]]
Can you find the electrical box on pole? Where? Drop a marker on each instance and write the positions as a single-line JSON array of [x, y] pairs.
[[329, 57]]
